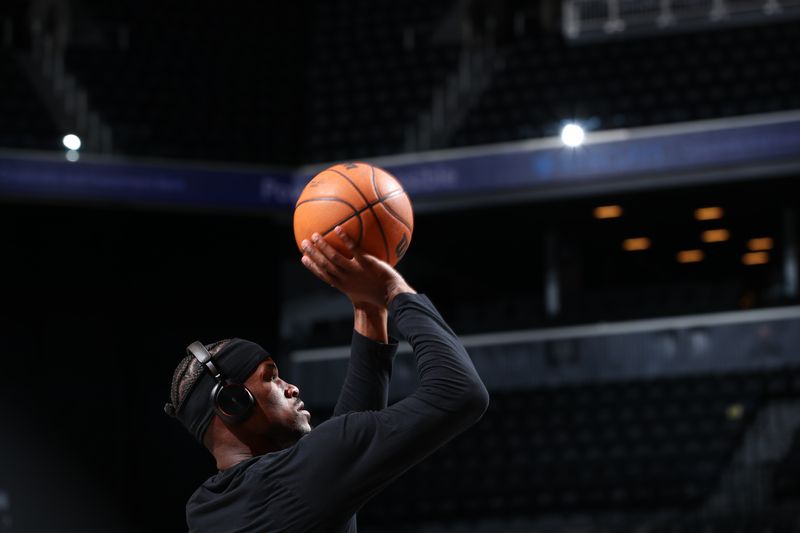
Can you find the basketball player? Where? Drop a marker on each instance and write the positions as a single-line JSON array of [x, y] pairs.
[[275, 473]]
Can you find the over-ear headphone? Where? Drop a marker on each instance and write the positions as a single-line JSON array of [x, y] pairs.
[[232, 402]]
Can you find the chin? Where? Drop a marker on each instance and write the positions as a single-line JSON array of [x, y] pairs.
[[304, 424], [300, 430]]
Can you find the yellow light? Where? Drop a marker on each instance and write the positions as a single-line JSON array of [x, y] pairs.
[[734, 411], [762, 243], [608, 211], [716, 235], [755, 258], [636, 244], [690, 256], [708, 213]]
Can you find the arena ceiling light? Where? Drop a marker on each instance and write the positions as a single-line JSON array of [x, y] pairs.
[[708, 213], [608, 211], [755, 258], [572, 135], [690, 256], [760, 243], [716, 235], [636, 244], [72, 142]]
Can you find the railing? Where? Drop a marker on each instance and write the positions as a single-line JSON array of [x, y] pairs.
[[584, 20], [637, 349]]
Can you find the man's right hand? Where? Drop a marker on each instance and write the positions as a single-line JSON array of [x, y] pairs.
[[364, 279]]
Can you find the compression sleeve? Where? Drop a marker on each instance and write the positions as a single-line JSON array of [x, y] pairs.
[[366, 385], [348, 459]]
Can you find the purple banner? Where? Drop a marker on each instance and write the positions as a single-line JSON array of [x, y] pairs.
[[526, 166], [144, 184], [647, 156]]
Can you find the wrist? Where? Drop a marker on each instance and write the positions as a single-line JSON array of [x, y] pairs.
[[369, 309], [398, 289], [371, 321]]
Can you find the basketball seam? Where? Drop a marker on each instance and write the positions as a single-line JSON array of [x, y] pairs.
[[356, 213], [394, 213], [378, 220], [332, 198], [369, 206], [392, 194]]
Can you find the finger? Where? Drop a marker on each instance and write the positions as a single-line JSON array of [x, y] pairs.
[[319, 259], [359, 256], [350, 243], [330, 252], [312, 266]]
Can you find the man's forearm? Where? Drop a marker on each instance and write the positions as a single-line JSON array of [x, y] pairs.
[[371, 323], [371, 320], [366, 384]]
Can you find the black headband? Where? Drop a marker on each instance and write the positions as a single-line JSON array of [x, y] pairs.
[[236, 360]]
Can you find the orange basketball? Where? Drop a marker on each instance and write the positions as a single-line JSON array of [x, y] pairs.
[[366, 201]]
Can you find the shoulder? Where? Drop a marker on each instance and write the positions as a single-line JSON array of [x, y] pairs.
[[248, 495], [352, 426], [238, 476]]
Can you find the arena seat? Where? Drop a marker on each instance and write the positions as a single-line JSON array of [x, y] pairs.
[[635, 446], [636, 82], [370, 68], [366, 69], [24, 120]]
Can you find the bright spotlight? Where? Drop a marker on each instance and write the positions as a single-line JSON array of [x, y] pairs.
[[72, 142], [572, 135]]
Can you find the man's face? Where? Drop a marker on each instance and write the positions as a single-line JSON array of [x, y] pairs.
[[282, 415]]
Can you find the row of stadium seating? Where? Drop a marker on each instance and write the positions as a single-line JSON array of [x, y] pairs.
[[24, 120], [786, 483], [639, 82], [782, 519], [360, 73], [498, 312], [170, 89], [372, 69], [636, 446]]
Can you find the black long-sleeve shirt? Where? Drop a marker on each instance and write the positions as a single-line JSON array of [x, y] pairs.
[[319, 483]]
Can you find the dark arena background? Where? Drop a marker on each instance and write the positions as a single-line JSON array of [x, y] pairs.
[[606, 212]]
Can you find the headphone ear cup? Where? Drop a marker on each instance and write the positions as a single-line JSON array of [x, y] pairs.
[[233, 402]]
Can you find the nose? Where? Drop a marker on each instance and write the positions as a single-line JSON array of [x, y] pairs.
[[291, 391]]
